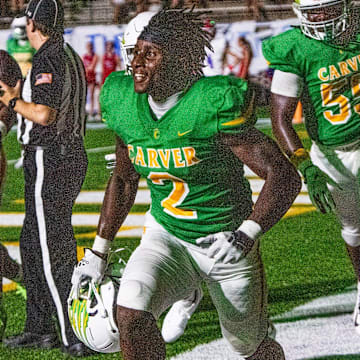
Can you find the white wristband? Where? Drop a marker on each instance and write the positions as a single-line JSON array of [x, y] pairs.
[[101, 245], [251, 228]]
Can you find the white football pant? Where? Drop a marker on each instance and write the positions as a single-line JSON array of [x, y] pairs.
[[164, 269], [343, 164]]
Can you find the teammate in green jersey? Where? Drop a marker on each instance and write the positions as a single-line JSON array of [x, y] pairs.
[[189, 136], [18, 45], [320, 65]]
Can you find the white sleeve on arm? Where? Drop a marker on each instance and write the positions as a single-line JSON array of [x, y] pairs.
[[286, 84]]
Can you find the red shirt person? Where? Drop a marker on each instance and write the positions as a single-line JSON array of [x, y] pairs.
[[110, 61], [90, 60]]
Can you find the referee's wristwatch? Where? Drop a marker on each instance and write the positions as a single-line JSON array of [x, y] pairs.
[[12, 103]]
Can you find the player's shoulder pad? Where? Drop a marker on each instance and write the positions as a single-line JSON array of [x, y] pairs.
[[214, 88], [117, 78], [287, 51], [117, 82], [282, 43]]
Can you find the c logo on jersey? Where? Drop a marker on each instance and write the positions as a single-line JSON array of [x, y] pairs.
[[156, 133]]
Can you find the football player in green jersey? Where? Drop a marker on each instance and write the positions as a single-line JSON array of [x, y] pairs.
[[190, 137], [319, 63], [176, 319]]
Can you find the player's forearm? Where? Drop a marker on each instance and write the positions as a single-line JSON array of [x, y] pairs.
[[282, 113], [281, 187], [282, 182], [118, 200]]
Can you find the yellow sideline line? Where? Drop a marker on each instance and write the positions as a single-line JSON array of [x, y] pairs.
[[9, 287], [22, 201], [12, 286], [76, 213], [298, 210], [92, 234]]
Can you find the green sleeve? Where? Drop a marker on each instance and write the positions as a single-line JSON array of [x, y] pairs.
[[280, 52], [237, 111], [103, 99], [110, 92]]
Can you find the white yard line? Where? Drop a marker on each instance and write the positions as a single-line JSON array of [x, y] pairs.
[[85, 219], [315, 336]]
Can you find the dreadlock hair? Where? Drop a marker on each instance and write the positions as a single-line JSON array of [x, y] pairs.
[[180, 33]]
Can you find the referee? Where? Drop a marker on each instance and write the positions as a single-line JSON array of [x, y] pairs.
[[51, 127]]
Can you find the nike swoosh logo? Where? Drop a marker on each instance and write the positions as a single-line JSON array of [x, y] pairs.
[[183, 133]]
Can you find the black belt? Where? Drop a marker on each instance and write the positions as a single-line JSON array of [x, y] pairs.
[[62, 149]]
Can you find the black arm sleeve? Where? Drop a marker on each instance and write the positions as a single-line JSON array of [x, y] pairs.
[[47, 81]]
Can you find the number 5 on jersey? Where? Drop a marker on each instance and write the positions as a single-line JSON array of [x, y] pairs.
[[330, 98]]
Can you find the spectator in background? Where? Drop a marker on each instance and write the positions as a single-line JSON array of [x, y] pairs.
[[121, 11], [172, 3], [257, 9], [232, 58], [110, 61], [141, 6], [237, 58], [18, 45], [4, 8], [214, 61], [16, 6], [90, 60], [246, 57]]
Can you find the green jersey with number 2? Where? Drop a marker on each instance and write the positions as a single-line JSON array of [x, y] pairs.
[[197, 184], [331, 95]]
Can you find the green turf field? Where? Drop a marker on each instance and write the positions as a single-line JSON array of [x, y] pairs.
[[304, 257]]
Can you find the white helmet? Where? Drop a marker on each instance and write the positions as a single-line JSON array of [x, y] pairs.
[[18, 27], [131, 34], [92, 312], [328, 30]]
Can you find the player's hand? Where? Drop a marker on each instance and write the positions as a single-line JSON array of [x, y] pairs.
[[7, 92], [90, 267], [227, 246], [317, 181]]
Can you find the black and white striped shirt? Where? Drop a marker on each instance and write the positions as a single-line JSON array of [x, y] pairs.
[[56, 79]]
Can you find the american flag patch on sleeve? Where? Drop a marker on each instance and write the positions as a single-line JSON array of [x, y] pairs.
[[44, 78]]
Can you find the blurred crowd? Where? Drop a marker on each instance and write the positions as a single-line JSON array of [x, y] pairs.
[[124, 10], [11, 7], [110, 62], [227, 58]]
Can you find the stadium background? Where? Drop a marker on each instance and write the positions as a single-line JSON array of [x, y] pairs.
[[311, 284]]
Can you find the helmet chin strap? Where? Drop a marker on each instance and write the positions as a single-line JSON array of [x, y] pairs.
[[99, 306]]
